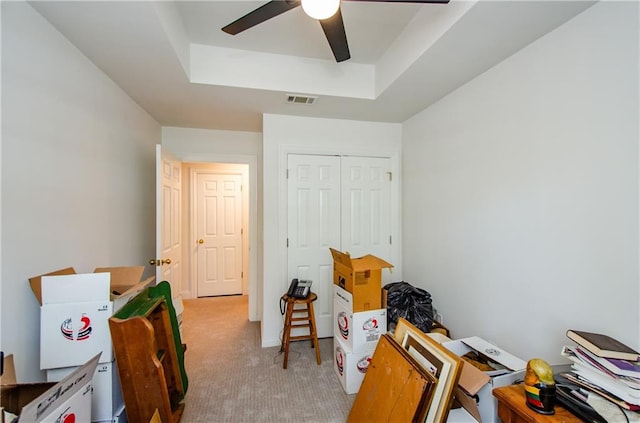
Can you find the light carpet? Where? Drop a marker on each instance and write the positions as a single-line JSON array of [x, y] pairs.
[[233, 379]]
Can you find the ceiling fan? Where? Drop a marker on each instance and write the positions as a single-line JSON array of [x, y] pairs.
[[326, 11]]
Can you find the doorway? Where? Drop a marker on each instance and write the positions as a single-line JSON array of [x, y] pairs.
[[219, 226], [218, 222], [245, 169]]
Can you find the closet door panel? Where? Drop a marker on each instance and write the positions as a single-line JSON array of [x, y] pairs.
[[314, 226], [366, 207]]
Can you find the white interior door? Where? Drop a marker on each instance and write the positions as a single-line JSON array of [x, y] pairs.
[[313, 227], [168, 220], [366, 207], [219, 233]]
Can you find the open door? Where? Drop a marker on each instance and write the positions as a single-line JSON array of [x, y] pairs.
[[169, 237]]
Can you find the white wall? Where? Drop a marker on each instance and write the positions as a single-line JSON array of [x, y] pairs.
[[288, 134], [194, 143], [78, 172], [215, 146], [521, 191]]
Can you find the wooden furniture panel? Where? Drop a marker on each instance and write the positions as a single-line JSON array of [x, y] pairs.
[[512, 408], [395, 388], [149, 364]]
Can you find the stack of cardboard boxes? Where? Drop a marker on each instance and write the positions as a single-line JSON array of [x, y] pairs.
[[360, 317], [74, 327]]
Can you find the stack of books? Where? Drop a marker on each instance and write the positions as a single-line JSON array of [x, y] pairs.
[[604, 365]]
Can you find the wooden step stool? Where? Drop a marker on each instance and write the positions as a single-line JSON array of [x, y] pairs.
[[304, 315]]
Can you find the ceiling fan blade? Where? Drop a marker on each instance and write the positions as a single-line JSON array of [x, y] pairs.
[[259, 15], [333, 28]]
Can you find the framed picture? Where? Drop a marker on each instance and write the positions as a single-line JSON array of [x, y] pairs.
[[444, 365], [401, 395]]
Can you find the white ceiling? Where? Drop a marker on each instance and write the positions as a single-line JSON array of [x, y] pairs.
[[173, 59]]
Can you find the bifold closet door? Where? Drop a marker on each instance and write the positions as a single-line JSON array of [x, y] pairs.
[[338, 202], [366, 207], [313, 226]]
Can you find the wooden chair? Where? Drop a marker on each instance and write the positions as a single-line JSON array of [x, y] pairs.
[[299, 318]]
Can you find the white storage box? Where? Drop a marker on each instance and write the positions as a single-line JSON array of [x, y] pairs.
[[75, 308], [67, 401], [119, 417], [106, 401], [123, 284], [71, 333], [349, 366], [513, 370], [179, 307], [75, 288], [358, 331]]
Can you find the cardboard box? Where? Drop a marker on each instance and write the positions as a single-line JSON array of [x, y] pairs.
[[179, 307], [71, 333], [358, 331], [14, 396], [119, 417], [122, 277], [477, 383], [350, 366], [124, 284], [75, 308], [66, 401], [362, 277], [106, 398]]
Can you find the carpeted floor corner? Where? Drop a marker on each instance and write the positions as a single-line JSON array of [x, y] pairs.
[[233, 380]]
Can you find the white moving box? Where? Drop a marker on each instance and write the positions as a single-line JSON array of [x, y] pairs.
[[75, 310], [513, 370], [106, 399], [72, 332], [74, 319], [350, 366], [359, 331], [178, 305], [67, 401]]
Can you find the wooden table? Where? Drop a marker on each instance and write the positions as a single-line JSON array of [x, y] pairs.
[[512, 408]]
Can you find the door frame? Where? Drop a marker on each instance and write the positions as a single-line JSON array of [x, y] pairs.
[[255, 291], [218, 169]]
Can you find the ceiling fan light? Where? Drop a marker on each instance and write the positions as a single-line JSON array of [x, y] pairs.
[[320, 9]]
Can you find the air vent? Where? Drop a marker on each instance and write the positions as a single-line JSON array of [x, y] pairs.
[[301, 99]]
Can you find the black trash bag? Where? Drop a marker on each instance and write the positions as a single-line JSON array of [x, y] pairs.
[[411, 303]]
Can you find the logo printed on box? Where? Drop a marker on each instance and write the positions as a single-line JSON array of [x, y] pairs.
[[343, 324], [66, 418], [66, 328], [370, 324], [340, 361], [371, 329], [363, 364], [59, 392]]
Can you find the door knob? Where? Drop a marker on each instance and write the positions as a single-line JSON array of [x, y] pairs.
[[152, 262], [167, 261], [201, 241]]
